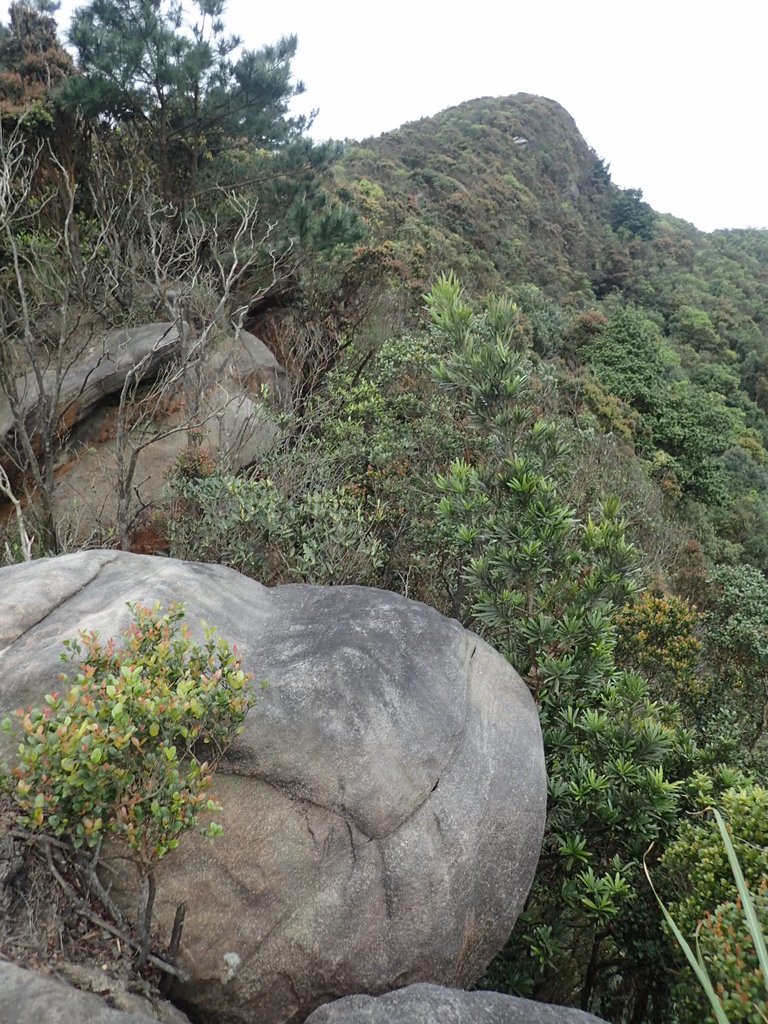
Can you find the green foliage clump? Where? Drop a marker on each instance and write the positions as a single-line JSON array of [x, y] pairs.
[[693, 427], [349, 498], [697, 862], [628, 358], [730, 957], [736, 636], [544, 587], [683, 427], [631, 214], [657, 635], [322, 535], [547, 321], [128, 751], [694, 327]]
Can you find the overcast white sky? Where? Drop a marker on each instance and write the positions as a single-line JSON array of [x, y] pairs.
[[672, 93]]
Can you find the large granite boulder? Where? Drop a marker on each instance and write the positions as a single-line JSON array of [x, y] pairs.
[[383, 808], [430, 1004], [27, 997], [248, 366]]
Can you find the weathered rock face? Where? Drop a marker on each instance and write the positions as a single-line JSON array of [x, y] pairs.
[[30, 998], [101, 371], [248, 366], [235, 427], [430, 1004], [383, 808]]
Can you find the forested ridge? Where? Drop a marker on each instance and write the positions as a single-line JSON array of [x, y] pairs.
[[512, 390]]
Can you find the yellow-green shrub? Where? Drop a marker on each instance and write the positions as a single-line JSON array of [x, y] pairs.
[[128, 750]]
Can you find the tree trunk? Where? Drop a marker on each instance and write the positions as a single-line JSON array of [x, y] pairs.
[[145, 916]]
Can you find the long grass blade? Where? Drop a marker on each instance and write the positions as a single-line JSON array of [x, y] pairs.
[[697, 966], [750, 915]]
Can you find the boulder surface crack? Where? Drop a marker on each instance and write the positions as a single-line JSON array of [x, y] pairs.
[[59, 604]]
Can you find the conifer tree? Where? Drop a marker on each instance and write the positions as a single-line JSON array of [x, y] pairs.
[[187, 83], [32, 61], [543, 587]]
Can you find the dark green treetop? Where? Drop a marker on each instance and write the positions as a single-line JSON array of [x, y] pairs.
[[186, 80], [32, 61]]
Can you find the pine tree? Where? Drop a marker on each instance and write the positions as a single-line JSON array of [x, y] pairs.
[[32, 61], [187, 83]]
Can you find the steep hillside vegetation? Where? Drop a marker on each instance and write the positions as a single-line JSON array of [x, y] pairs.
[[502, 190], [508, 190], [509, 389], [669, 321]]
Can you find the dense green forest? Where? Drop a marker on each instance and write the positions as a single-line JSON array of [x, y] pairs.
[[513, 391]]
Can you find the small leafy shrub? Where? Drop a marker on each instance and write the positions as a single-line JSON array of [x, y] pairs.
[[194, 462], [697, 861], [346, 494], [324, 535], [128, 751], [732, 961], [657, 636]]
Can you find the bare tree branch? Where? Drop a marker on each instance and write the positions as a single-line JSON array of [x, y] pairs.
[[61, 294]]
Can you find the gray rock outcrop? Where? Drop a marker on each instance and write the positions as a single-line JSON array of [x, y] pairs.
[[431, 1004], [27, 997], [99, 371], [236, 427], [247, 366], [383, 808]]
